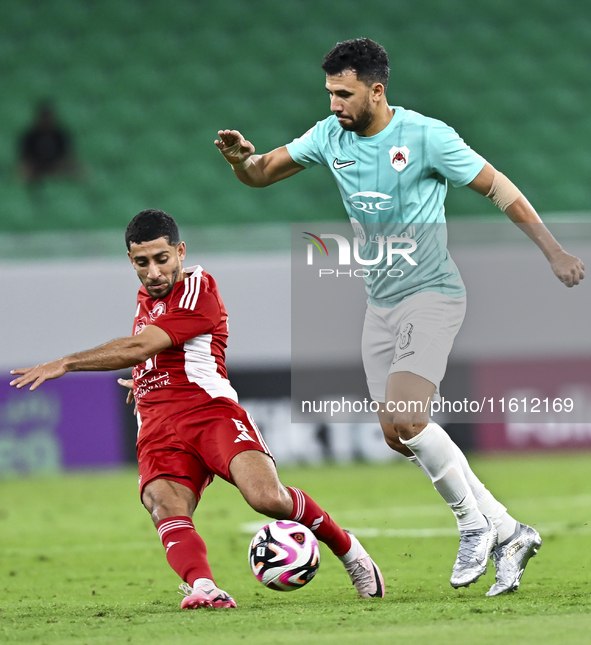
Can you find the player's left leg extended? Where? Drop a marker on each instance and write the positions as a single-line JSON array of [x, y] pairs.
[[438, 457], [488, 505], [405, 351], [516, 543], [255, 476]]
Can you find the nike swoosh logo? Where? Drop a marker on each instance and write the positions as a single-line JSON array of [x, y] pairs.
[[337, 165], [398, 358]]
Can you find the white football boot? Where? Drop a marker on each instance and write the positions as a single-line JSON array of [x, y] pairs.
[[511, 557], [475, 549], [363, 571], [203, 594]]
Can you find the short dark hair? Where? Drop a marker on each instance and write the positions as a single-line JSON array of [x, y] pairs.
[[365, 57], [149, 225]]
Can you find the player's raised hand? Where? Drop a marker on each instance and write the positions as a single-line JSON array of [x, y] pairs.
[[36, 375], [235, 148], [569, 269]]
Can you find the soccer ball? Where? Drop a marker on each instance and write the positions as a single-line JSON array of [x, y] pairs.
[[284, 555]]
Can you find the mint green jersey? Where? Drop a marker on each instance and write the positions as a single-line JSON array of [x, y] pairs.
[[393, 186]]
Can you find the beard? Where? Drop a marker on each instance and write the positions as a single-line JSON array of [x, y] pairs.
[[361, 122], [159, 294]]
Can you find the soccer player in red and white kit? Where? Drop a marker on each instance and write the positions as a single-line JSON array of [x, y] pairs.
[[191, 427]]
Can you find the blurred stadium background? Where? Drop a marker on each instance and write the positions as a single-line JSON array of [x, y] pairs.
[[144, 87]]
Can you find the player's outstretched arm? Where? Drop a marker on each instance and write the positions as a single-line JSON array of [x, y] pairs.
[[115, 355], [569, 269], [253, 170]]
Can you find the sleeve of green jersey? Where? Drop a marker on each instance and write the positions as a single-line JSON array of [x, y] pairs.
[[451, 157], [307, 149]]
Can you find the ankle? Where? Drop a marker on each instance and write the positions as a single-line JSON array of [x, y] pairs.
[[352, 553]]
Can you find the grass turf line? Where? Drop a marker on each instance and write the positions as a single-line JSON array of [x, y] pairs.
[[81, 563]]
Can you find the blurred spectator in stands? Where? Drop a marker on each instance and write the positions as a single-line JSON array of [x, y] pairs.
[[45, 148]]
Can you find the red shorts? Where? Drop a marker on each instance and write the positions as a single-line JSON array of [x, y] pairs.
[[193, 445]]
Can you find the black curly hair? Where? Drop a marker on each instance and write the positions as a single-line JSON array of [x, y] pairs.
[[364, 56], [150, 225]]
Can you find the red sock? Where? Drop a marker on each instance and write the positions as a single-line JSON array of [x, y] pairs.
[[307, 512], [185, 549]]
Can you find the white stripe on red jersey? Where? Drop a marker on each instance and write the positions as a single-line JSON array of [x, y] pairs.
[[191, 291], [193, 369], [258, 434], [197, 279], [201, 368]]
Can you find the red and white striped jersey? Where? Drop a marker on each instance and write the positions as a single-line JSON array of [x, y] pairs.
[[193, 370]]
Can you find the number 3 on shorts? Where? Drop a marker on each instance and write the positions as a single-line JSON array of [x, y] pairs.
[[404, 337]]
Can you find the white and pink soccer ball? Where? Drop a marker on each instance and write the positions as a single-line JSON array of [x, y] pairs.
[[284, 555]]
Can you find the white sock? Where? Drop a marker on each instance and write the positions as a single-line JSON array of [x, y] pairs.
[[437, 455], [413, 460], [487, 504], [203, 582], [353, 552]]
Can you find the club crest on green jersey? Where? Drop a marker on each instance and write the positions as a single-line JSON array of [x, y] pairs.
[[399, 157]]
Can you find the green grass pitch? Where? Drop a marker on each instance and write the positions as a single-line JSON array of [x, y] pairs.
[[80, 562]]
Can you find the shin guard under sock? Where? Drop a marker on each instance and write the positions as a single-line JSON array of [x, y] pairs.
[[437, 456], [185, 549], [307, 512]]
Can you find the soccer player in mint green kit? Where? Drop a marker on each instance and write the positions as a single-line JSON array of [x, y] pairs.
[[392, 167]]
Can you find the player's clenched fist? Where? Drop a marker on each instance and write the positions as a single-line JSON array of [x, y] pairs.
[[569, 269], [235, 148]]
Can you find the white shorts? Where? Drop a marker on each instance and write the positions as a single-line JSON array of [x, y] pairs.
[[414, 336]]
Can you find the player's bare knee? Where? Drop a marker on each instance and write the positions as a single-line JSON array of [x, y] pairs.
[[394, 443], [407, 430], [164, 499], [392, 439], [164, 508]]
